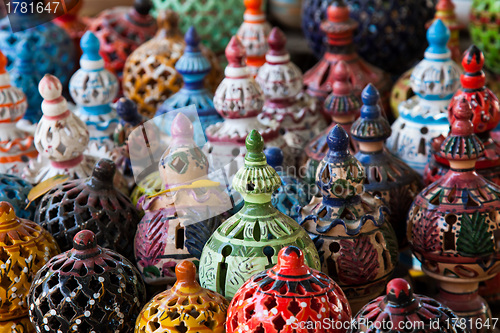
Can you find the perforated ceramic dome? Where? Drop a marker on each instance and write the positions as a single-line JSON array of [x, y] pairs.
[[186, 307], [287, 295], [93, 204], [24, 248], [88, 288], [483, 29]]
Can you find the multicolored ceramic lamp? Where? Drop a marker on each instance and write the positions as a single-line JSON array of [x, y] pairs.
[[424, 116], [342, 105], [25, 248], [454, 224], [400, 310], [16, 146], [58, 125], [121, 30], [186, 307], [486, 116], [150, 76], [249, 241], [239, 100], [289, 297], [484, 24], [281, 80], [193, 66], [386, 175], [349, 226], [253, 34], [178, 223], [93, 88], [339, 29], [88, 288]]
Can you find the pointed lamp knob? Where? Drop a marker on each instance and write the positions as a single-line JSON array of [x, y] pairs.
[[253, 7], [371, 107], [235, 53], [291, 262], [438, 36], [192, 40], [50, 88], [473, 62], [277, 42], [338, 12], [185, 271], [255, 147], [399, 292], [463, 116], [103, 173], [182, 127], [338, 142], [90, 47]]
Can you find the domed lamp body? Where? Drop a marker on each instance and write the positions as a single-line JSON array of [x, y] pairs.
[[483, 28], [339, 30], [288, 297], [15, 190], [193, 66], [16, 146], [25, 247], [424, 116], [453, 223], [60, 138], [445, 11], [93, 88], [350, 227], [225, 18], [293, 192], [249, 241], [394, 29], [402, 311], [121, 30], [386, 175], [239, 100], [342, 105], [486, 116], [177, 224], [282, 83], [88, 288], [93, 204], [150, 75], [253, 34], [198, 310], [52, 49]]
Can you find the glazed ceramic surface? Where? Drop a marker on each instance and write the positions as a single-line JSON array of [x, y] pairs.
[[93, 204], [249, 241], [24, 248], [424, 116], [453, 225], [16, 146], [185, 306], [253, 35], [88, 288], [349, 226], [20, 325], [483, 28], [342, 105], [386, 175], [193, 66], [339, 30], [486, 116], [15, 191], [177, 224], [121, 30], [389, 35], [216, 21], [281, 80], [239, 100], [93, 88], [285, 297], [402, 310]]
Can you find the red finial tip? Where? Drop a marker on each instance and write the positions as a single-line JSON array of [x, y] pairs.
[[473, 60], [399, 291], [463, 118], [235, 53], [3, 63], [338, 12], [253, 7], [291, 261], [341, 85], [445, 5], [277, 42]]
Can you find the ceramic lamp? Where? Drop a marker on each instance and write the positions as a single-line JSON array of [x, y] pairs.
[[424, 116], [483, 29], [249, 241], [453, 223], [16, 146], [93, 88], [121, 30], [281, 80], [289, 297], [150, 76], [197, 310], [88, 288], [350, 227], [15, 190], [339, 30]]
